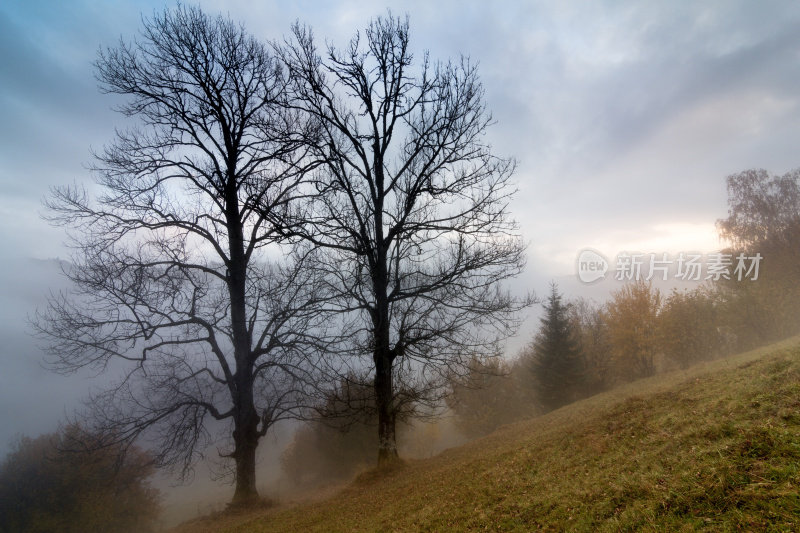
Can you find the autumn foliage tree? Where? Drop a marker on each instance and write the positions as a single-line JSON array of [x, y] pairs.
[[689, 327], [762, 207], [632, 318], [61, 482], [589, 322], [763, 218], [491, 394]]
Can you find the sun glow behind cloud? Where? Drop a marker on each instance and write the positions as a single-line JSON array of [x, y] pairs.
[[670, 237], [667, 237]]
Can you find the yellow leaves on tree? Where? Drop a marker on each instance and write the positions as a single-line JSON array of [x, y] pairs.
[[632, 316]]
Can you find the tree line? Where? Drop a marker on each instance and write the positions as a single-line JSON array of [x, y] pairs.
[[583, 347], [63, 482]]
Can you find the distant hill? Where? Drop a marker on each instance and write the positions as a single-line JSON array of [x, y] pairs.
[[714, 448]]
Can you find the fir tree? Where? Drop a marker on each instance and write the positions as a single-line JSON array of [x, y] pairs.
[[556, 360]]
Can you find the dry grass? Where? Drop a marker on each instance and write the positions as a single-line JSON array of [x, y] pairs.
[[714, 448]]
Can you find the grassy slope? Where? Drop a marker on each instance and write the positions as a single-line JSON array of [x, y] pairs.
[[714, 448]]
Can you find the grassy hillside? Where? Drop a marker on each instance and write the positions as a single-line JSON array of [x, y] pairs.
[[715, 448]]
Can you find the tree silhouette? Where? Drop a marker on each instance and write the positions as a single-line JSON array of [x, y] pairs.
[[411, 210], [556, 359], [172, 276]]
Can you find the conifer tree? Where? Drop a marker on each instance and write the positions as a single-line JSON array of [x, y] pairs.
[[556, 359]]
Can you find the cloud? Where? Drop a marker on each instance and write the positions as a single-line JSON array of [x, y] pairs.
[[625, 118]]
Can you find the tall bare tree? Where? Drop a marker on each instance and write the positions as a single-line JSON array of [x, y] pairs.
[[172, 270], [412, 209]]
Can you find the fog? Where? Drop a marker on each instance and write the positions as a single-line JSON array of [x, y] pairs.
[[33, 400], [624, 117]]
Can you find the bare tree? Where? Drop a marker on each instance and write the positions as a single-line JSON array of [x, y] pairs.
[[172, 270], [412, 210]]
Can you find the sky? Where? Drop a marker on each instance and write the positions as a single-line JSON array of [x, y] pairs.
[[625, 117]]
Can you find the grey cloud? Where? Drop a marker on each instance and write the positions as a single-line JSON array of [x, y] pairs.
[[579, 91]]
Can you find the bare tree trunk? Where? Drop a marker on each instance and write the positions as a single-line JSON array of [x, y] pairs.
[[387, 443], [383, 357], [244, 455], [245, 434]]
